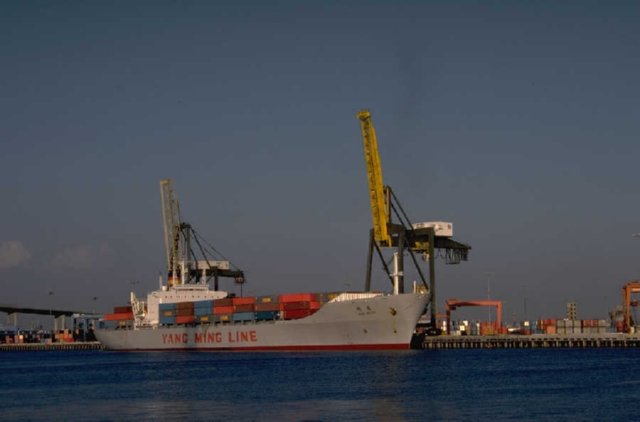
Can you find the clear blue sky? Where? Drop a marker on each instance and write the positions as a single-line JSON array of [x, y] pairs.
[[518, 121]]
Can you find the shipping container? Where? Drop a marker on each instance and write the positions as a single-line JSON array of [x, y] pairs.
[[185, 319], [203, 304], [167, 306], [182, 306], [118, 317], [243, 316], [219, 310], [184, 312], [263, 307], [267, 315], [487, 329], [243, 300], [202, 311], [243, 308], [223, 317], [222, 302], [167, 320], [296, 313], [298, 297], [205, 318], [293, 306]]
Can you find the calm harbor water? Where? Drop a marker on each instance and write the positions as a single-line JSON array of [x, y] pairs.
[[552, 384]]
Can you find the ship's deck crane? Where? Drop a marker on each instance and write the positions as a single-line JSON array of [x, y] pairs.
[[183, 265], [424, 238]]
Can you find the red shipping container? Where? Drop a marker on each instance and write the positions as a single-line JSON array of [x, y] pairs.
[[122, 316], [184, 305], [218, 310], [243, 308], [273, 306], [487, 329], [184, 311], [243, 300], [293, 306], [297, 313], [298, 297], [223, 302], [186, 319]]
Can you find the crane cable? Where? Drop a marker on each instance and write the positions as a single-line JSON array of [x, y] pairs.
[[220, 256]]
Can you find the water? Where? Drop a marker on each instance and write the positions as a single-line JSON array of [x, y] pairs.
[[551, 384]]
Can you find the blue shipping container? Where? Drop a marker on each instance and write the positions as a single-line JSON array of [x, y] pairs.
[[266, 315], [243, 316], [208, 304], [167, 306], [202, 311], [167, 320]]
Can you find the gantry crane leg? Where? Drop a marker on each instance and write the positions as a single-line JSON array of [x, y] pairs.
[[367, 281]]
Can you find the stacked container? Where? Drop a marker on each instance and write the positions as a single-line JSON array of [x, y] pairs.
[[120, 313], [298, 305], [243, 309], [203, 311], [223, 310], [267, 308], [603, 326], [568, 326], [547, 326], [63, 336], [167, 313]]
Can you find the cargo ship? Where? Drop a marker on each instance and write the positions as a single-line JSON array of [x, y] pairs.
[[185, 313]]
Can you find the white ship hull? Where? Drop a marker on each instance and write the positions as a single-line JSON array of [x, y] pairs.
[[382, 322]]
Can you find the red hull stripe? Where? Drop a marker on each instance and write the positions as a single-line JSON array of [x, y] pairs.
[[401, 346]]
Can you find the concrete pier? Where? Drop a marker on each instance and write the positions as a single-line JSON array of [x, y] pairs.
[[536, 341], [45, 347]]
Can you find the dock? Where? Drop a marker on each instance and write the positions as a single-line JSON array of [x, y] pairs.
[[536, 341], [48, 347]]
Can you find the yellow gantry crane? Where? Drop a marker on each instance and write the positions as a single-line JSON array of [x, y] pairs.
[[378, 192], [423, 238]]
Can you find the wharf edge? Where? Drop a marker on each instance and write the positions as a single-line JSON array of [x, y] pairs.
[[48, 347], [536, 341]]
